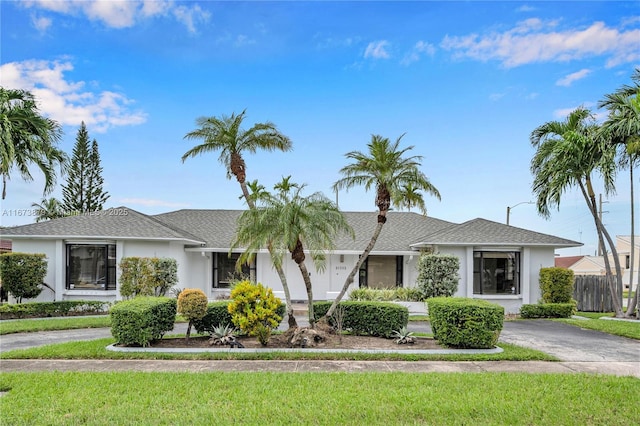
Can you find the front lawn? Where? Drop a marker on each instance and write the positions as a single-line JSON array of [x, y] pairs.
[[96, 349], [64, 398], [619, 328], [49, 324]]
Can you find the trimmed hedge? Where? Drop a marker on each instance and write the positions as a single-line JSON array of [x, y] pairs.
[[556, 285], [465, 323], [391, 294], [548, 310], [141, 320], [372, 318], [53, 309], [218, 314]]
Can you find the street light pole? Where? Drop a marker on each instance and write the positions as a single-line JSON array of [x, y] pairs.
[[515, 205]]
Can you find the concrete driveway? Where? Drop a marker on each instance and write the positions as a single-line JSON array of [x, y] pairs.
[[570, 343]]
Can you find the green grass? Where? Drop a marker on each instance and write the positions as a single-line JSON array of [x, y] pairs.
[[96, 349], [618, 328], [418, 317], [48, 324], [64, 398], [595, 315]]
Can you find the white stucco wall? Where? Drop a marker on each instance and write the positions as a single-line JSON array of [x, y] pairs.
[[48, 248]]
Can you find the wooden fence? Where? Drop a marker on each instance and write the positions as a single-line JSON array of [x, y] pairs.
[[592, 293]]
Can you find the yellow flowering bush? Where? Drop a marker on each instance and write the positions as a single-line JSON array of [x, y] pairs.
[[253, 310]]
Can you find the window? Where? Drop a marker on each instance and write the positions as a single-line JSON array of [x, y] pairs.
[[496, 272], [627, 261], [91, 267], [381, 272], [224, 270]]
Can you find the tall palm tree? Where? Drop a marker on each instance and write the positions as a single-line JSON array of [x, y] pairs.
[[27, 138], [291, 223], [385, 168], [567, 153], [225, 134], [49, 208], [622, 127]]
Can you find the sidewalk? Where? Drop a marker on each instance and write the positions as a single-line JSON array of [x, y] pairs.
[[610, 368]]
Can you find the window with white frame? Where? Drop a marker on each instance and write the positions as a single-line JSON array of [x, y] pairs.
[[496, 272], [91, 266]]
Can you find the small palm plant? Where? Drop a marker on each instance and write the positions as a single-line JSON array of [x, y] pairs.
[[223, 334], [403, 336]]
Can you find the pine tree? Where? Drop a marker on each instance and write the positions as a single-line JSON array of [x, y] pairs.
[[83, 191], [96, 197]]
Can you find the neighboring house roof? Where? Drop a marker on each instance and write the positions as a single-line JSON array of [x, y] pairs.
[[217, 228], [589, 265], [566, 261], [485, 232], [5, 245], [117, 223]]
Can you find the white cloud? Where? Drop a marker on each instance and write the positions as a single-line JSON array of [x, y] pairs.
[[190, 15], [68, 102], [243, 40], [569, 79], [151, 203], [41, 24], [533, 40], [123, 13], [377, 50], [563, 113], [419, 49], [496, 96], [525, 8]]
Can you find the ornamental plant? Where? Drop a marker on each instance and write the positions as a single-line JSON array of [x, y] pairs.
[[253, 310], [556, 285], [192, 304], [438, 275], [147, 276], [22, 274]]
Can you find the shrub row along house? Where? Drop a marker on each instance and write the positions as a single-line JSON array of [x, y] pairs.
[[499, 263]]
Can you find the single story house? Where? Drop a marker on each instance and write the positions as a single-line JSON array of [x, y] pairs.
[[499, 263]]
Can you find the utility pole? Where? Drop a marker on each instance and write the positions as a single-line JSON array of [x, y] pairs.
[[601, 249]]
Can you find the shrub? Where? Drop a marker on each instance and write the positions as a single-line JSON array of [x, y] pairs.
[[253, 309], [398, 293], [192, 304], [437, 275], [218, 315], [556, 285], [141, 320], [548, 310], [465, 323], [53, 309], [373, 318], [22, 274], [147, 276]]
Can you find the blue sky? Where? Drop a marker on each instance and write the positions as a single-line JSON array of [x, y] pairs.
[[466, 81]]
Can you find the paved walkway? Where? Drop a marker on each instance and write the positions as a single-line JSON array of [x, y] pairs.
[[612, 368], [579, 351]]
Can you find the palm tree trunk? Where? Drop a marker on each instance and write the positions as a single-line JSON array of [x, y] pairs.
[[356, 268], [307, 284], [632, 302], [589, 197], [4, 186], [283, 278]]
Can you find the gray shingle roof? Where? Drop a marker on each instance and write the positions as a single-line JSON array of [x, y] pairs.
[[217, 228], [485, 232], [121, 222]]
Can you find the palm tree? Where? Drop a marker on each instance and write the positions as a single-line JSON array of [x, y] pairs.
[[622, 128], [26, 138], [49, 208], [385, 168], [291, 223], [410, 196], [225, 134], [567, 153]]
